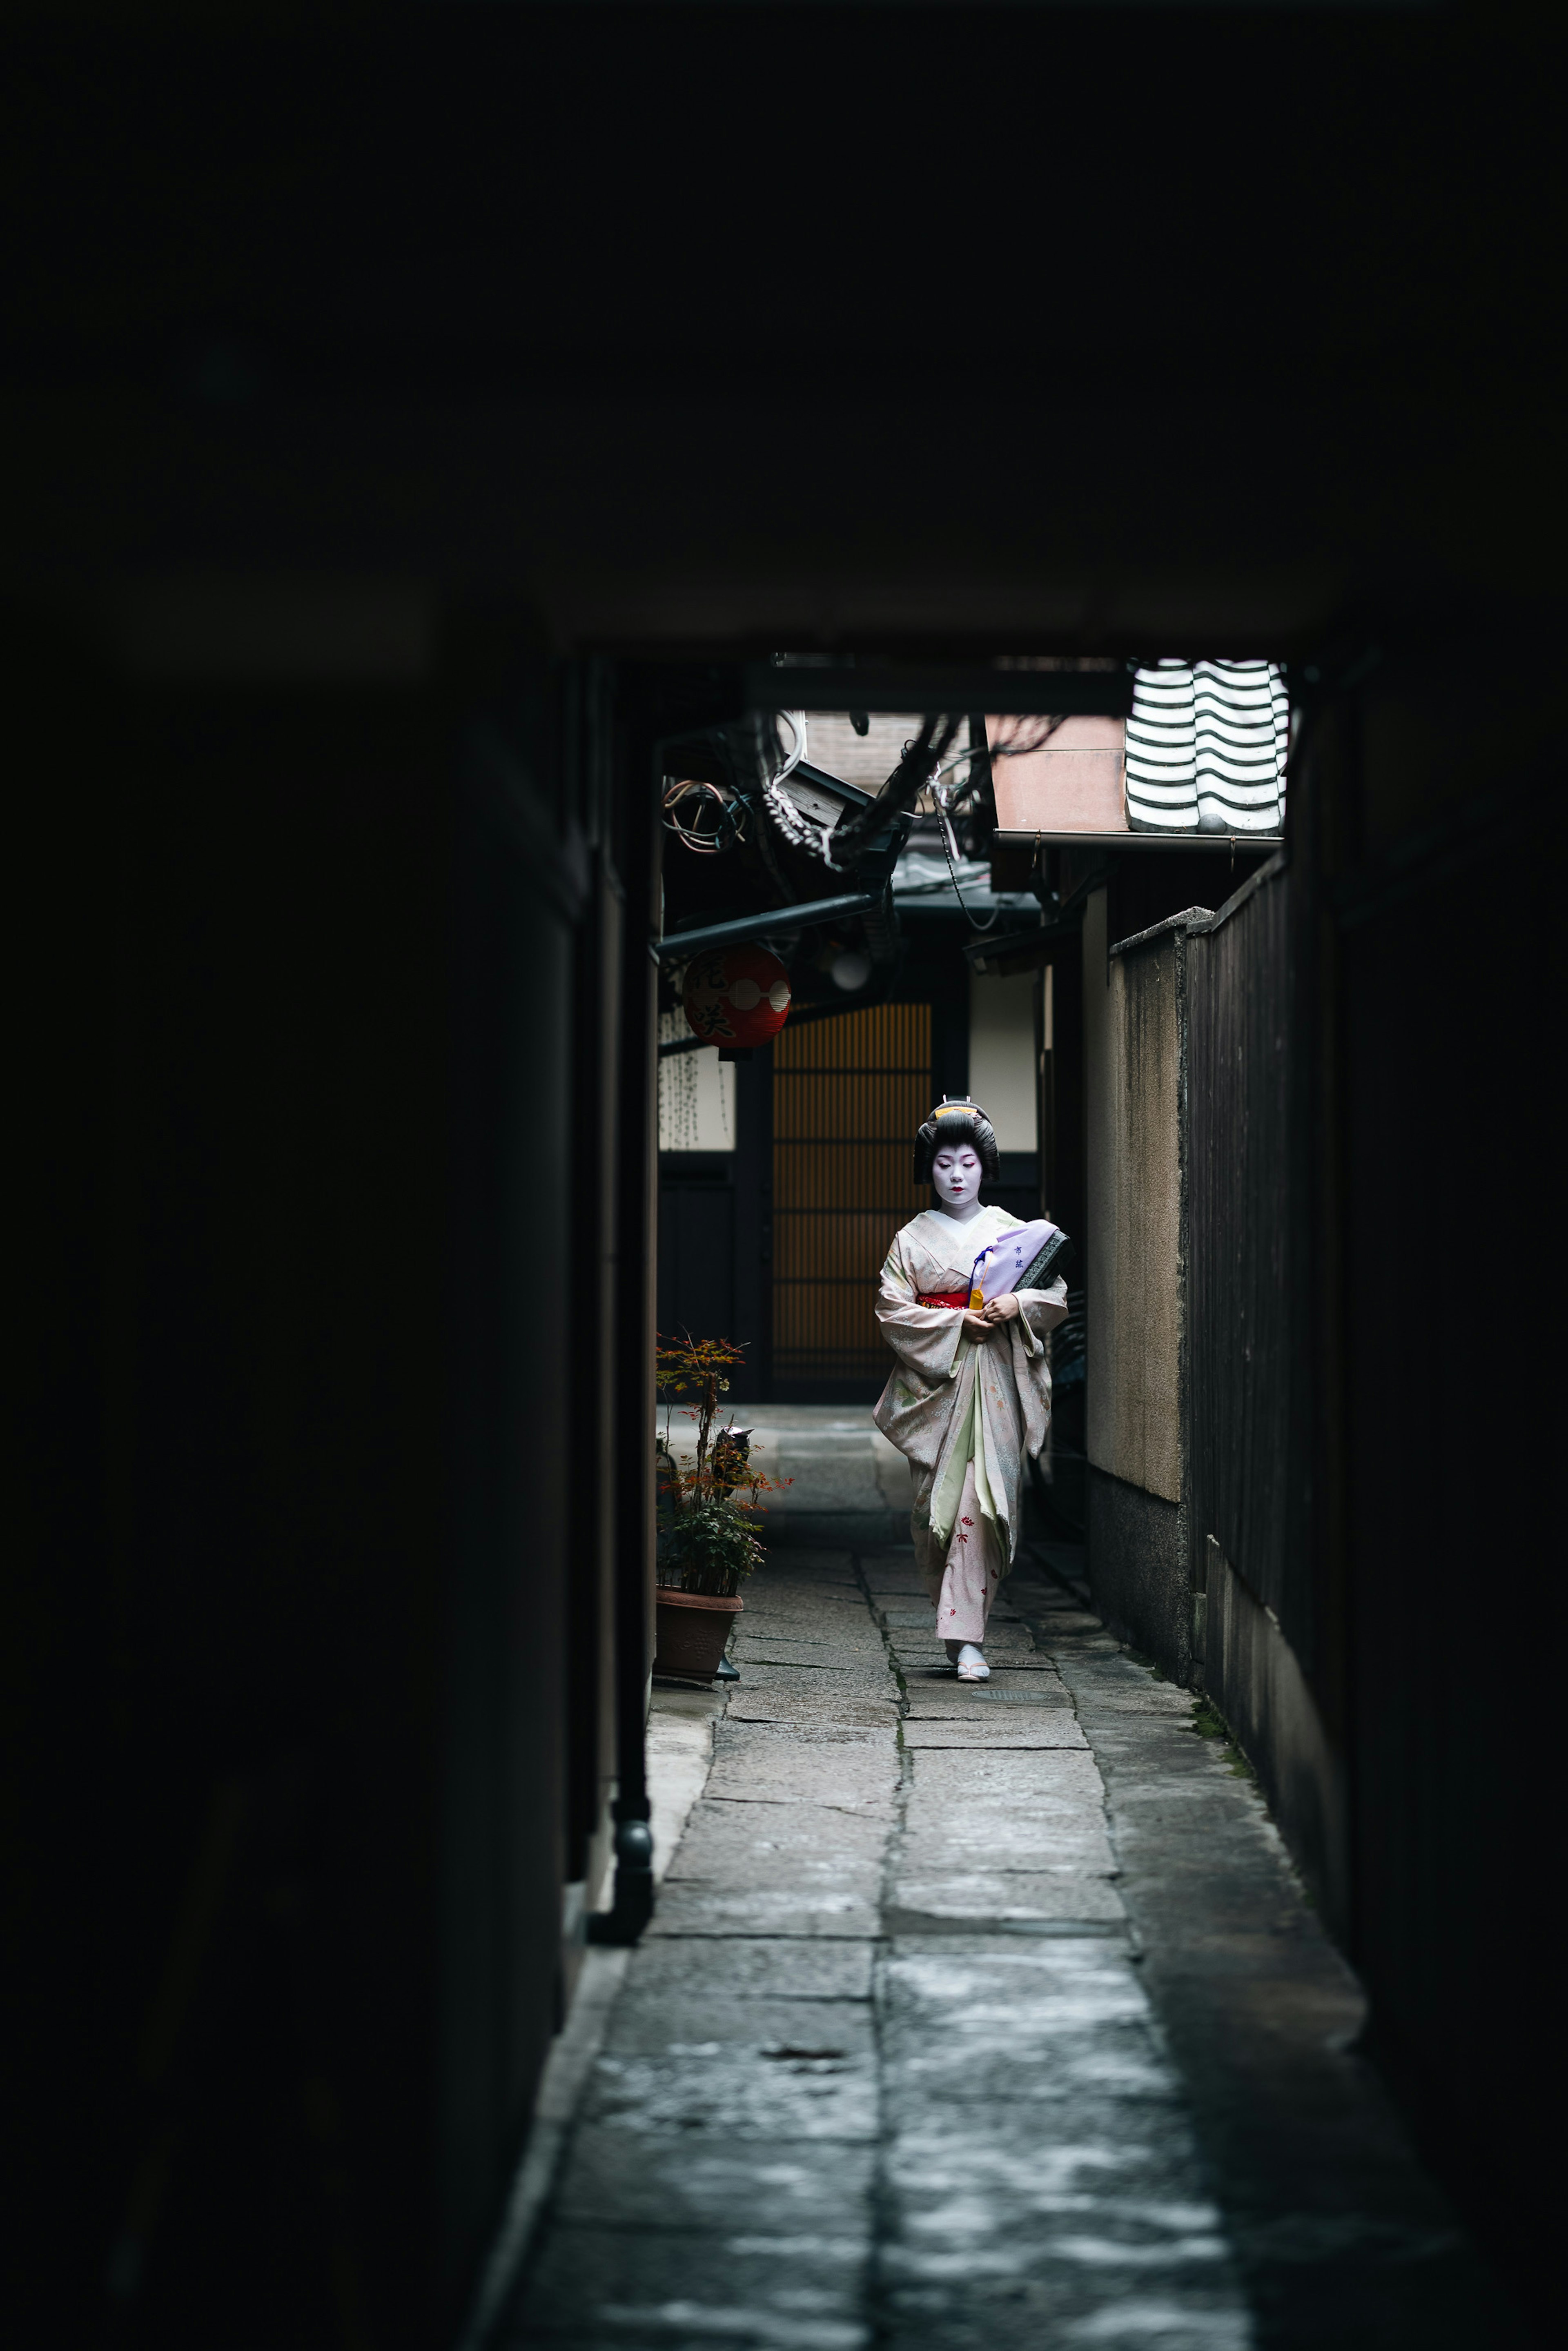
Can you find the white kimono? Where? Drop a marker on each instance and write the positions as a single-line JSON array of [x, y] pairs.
[[966, 1413]]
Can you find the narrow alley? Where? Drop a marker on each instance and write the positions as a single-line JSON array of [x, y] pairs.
[[597, 838], [969, 2015]]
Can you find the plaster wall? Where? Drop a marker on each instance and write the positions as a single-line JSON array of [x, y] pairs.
[[1073, 785], [696, 1094], [1132, 1092], [1002, 1068]]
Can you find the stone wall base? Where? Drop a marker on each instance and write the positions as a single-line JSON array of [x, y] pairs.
[[1138, 1572], [1255, 1678]]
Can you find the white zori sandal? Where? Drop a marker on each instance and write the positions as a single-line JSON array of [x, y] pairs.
[[972, 1666]]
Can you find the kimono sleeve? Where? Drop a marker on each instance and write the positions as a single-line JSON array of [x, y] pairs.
[[925, 1338], [1040, 1311]]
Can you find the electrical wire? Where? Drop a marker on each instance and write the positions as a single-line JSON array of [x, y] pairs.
[[949, 846], [797, 719], [902, 789], [729, 821]]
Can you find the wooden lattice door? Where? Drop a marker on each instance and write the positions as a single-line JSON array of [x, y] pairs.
[[848, 1095]]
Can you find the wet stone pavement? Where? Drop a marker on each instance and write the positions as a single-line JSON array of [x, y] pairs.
[[984, 2016]]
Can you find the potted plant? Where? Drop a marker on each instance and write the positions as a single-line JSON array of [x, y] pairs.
[[707, 1514]]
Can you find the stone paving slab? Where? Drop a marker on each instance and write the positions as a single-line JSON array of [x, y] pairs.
[[669, 2287], [925, 1669], [805, 1632], [940, 1893], [1094, 2147], [789, 1570], [769, 1968], [1069, 1858], [980, 1836], [1161, 1698], [965, 1832], [846, 1699], [1000, 1638], [789, 1644], [745, 2094], [795, 1670], [862, 1780], [1071, 2307], [971, 1994], [965, 1809], [652, 2019], [827, 1716], [850, 1722], [780, 1852], [1025, 1780], [1112, 2062], [831, 1598], [960, 1701], [704, 1908], [1020, 1671], [818, 1610], [810, 1612], [970, 1826], [828, 1608], [784, 1648], [1051, 1730], [1004, 1618], [703, 2182]]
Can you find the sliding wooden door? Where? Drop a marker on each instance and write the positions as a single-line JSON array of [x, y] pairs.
[[848, 1095]]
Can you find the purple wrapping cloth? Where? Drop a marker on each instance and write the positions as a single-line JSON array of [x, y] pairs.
[[1001, 1267]]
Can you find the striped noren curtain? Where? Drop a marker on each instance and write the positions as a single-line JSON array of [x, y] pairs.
[[1206, 748]]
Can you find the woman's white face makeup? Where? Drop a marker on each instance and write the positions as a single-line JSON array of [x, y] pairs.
[[957, 1175]]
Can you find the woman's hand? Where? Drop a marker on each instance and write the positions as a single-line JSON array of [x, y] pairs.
[[998, 1311], [976, 1325]]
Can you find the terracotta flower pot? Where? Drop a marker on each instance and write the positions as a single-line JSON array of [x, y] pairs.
[[692, 1628]]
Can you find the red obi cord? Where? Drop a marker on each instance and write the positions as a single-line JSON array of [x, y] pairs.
[[944, 1297]]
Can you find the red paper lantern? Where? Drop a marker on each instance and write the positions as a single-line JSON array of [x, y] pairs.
[[736, 995]]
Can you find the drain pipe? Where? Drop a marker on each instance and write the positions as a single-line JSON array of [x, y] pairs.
[[634, 1399], [632, 1905]]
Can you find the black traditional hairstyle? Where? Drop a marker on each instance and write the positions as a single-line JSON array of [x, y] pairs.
[[951, 1124]]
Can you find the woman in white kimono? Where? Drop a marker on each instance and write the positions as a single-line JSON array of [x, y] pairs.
[[969, 1396]]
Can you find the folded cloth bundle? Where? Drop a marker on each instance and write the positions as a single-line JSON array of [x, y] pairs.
[[1021, 1259]]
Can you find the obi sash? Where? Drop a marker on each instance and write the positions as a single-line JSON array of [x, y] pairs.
[[948, 1298]]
